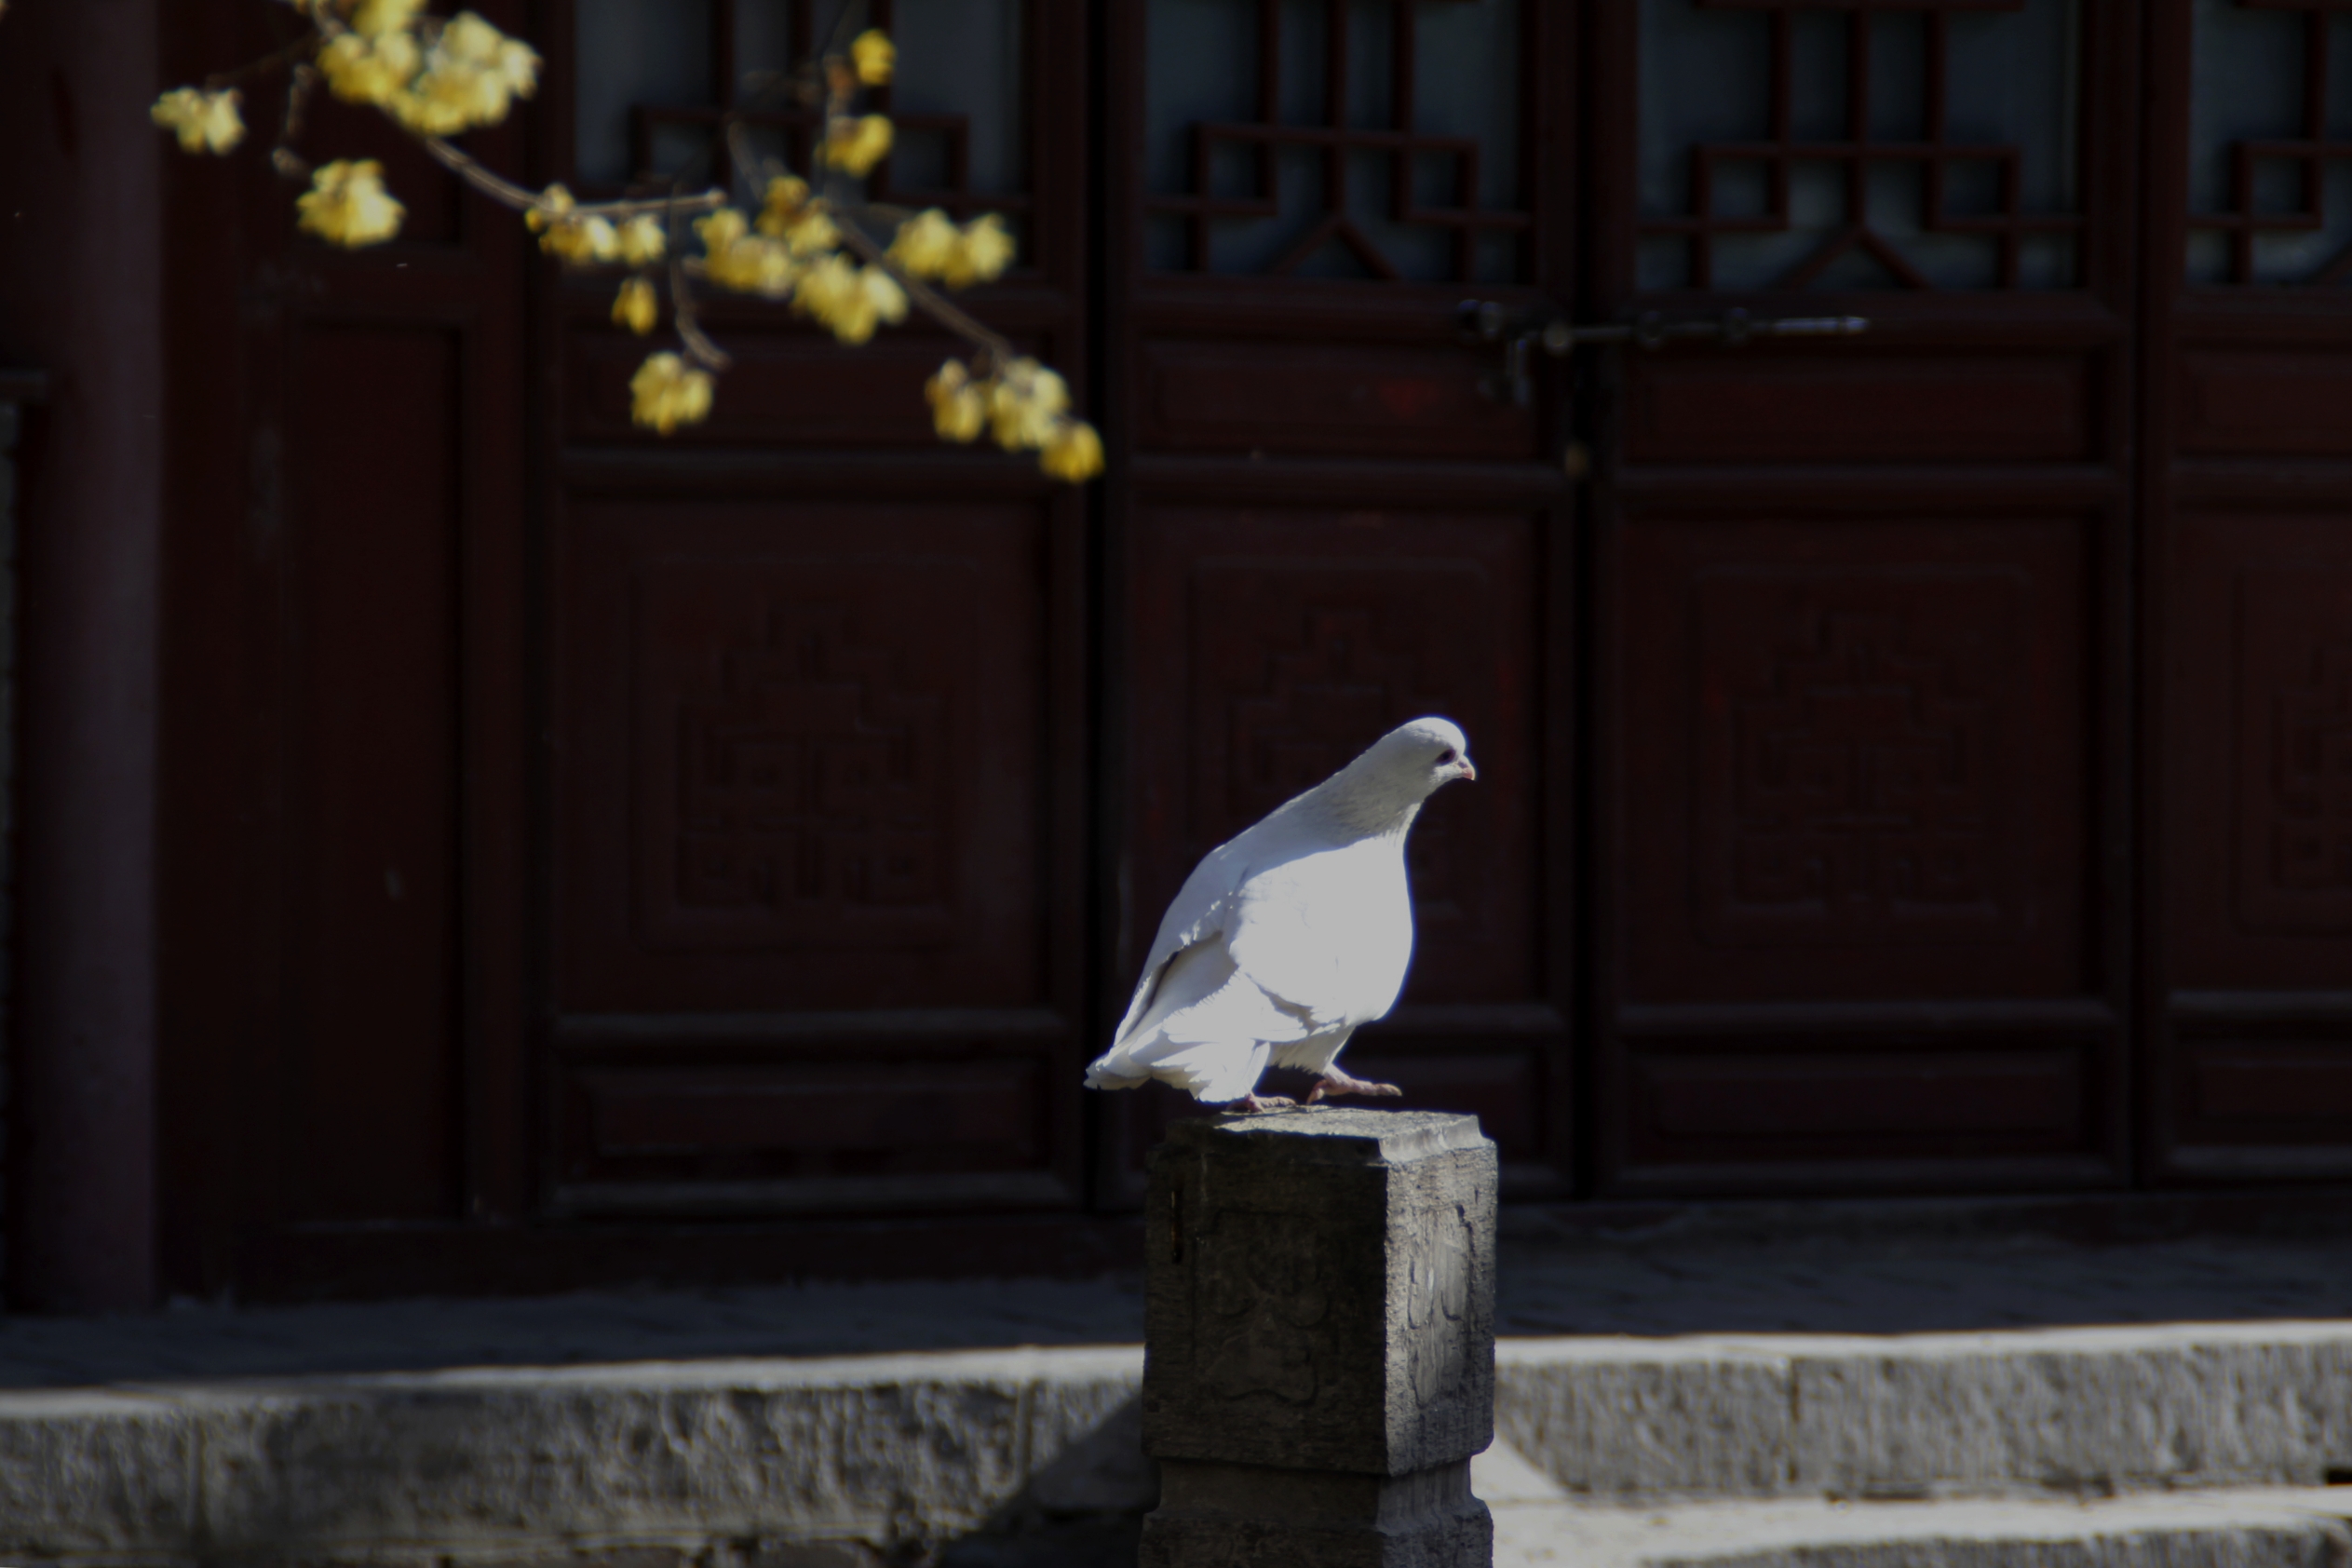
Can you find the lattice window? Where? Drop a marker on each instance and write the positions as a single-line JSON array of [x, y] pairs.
[[1859, 145], [657, 76], [2270, 144], [1336, 139]]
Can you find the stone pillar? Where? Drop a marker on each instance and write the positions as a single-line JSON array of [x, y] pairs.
[[1320, 1340]]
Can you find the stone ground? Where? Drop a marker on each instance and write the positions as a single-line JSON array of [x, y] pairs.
[[1858, 1268]]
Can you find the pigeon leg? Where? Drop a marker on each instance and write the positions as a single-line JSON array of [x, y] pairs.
[[1336, 1082], [1250, 1103]]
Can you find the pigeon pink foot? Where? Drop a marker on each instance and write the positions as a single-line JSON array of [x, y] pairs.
[[1334, 1082], [1248, 1105]]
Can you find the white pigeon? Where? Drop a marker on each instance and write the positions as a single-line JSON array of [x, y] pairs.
[[1286, 939]]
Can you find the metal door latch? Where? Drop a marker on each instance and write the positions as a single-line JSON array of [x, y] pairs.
[[1522, 332]]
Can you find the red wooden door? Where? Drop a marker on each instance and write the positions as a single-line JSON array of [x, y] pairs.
[[1907, 763], [344, 827], [1323, 522], [1862, 736], [817, 687], [2248, 660]]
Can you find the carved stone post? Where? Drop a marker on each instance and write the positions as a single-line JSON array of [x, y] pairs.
[[1320, 1340]]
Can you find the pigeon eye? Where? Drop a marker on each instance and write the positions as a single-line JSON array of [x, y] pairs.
[[1445, 758]]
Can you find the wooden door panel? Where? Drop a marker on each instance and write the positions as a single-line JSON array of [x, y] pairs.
[[2256, 1051], [1795, 1116], [2259, 848], [1860, 602], [2255, 1099], [802, 759], [2249, 400], [1836, 404], [1854, 760], [1320, 399], [371, 1057], [2249, 656], [893, 1128], [819, 689], [344, 896], [804, 793]]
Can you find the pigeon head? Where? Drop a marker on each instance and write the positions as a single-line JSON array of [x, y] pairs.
[[1383, 788]]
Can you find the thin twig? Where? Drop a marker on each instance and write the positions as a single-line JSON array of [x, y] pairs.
[[934, 304], [295, 50], [507, 193], [682, 315], [282, 158]]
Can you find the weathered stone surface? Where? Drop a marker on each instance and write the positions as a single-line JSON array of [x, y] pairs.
[[881, 1450], [1617, 1417], [2070, 1411], [2089, 1411], [1214, 1515], [2238, 1529], [1006, 1456], [95, 1472], [1319, 1340], [1321, 1291]]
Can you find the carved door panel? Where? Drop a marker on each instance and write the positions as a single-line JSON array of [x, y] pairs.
[[341, 867], [2249, 660], [1322, 522], [1862, 894], [816, 685]]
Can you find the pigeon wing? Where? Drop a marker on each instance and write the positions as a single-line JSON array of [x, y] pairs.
[[1197, 914]]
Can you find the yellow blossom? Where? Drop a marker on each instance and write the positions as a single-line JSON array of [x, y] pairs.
[[376, 18], [874, 54], [832, 292], [204, 121], [849, 299], [926, 243], [643, 240], [554, 202], [722, 228], [580, 239], [564, 231], [637, 308], [1025, 403], [734, 258], [959, 409], [471, 75], [365, 70], [752, 265], [510, 62], [883, 293], [1073, 453], [470, 38], [855, 146], [983, 251], [789, 214], [347, 205], [518, 62], [665, 393], [812, 234], [786, 195]]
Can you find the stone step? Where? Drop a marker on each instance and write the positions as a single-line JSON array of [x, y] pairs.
[[2070, 1411], [2281, 1528], [999, 1456]]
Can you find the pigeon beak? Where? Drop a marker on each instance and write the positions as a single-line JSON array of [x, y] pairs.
[[1469, 772]]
